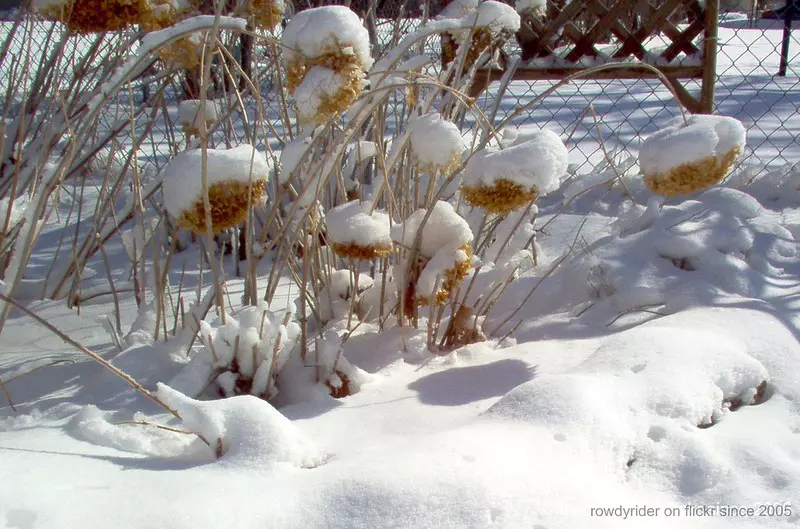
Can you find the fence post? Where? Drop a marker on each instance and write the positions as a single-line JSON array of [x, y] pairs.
[[787, 35], [710, 57]]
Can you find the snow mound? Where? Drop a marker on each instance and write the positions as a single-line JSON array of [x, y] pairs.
[[243, 356], [536, 160], [245, 430], [351, 223], [671, 405], [182, 181], [694, 253], [331, 29], [437, 143], [443, 228], [435, 271], [682, 143]]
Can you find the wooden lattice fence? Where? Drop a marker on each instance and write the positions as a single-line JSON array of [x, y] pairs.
[[676, 36]]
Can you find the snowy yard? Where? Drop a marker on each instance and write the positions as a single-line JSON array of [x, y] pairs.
[[638, 365]]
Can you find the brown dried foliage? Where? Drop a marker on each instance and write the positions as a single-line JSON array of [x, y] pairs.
[[229, 202], [358, 252], [95, 16], [691, 177], [502, 197]]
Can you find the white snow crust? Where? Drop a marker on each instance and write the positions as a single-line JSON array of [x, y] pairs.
[[314, 32], [352, 223], [443, 228], [701, 137], [537, 159], [458, 9], [435, 140], [182, 181]]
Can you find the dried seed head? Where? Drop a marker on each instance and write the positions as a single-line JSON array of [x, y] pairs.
[[229, 201], [502, 197], [691, 177]]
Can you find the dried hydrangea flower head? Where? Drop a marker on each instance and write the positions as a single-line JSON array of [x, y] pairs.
[[326, 52], [191, 119], [487, 25], [356, 233], [94, 16], [500, 181], [436, 142], [686, 157], [266, 14], [445, 255], [236, 181], [184, 52]]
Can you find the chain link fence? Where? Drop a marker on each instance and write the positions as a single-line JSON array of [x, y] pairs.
[[598, 117], [602, 117]]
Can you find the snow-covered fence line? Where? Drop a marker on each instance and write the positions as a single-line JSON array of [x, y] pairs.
[[624, 112]]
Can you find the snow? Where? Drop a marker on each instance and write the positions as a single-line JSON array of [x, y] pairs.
[[496, 16], [436, 141], [18, 207], [352, 223], [319, 85], [247, 431], [680, 143], [291, 155], [189, 113], [635, 376], [314, 32], [433, 274], [337, 297], [182, 182], [530, 5], [444, 227], [537, 159], [457, 9]]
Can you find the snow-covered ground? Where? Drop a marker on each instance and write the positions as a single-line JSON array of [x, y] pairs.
[[645, 374]]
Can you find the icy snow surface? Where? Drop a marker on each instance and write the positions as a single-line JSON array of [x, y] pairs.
[[182, 179]]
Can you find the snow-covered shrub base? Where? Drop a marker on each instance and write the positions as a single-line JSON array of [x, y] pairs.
[[337, 296], [244, 356], [235, 179], [687, 157], [355, 233]]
